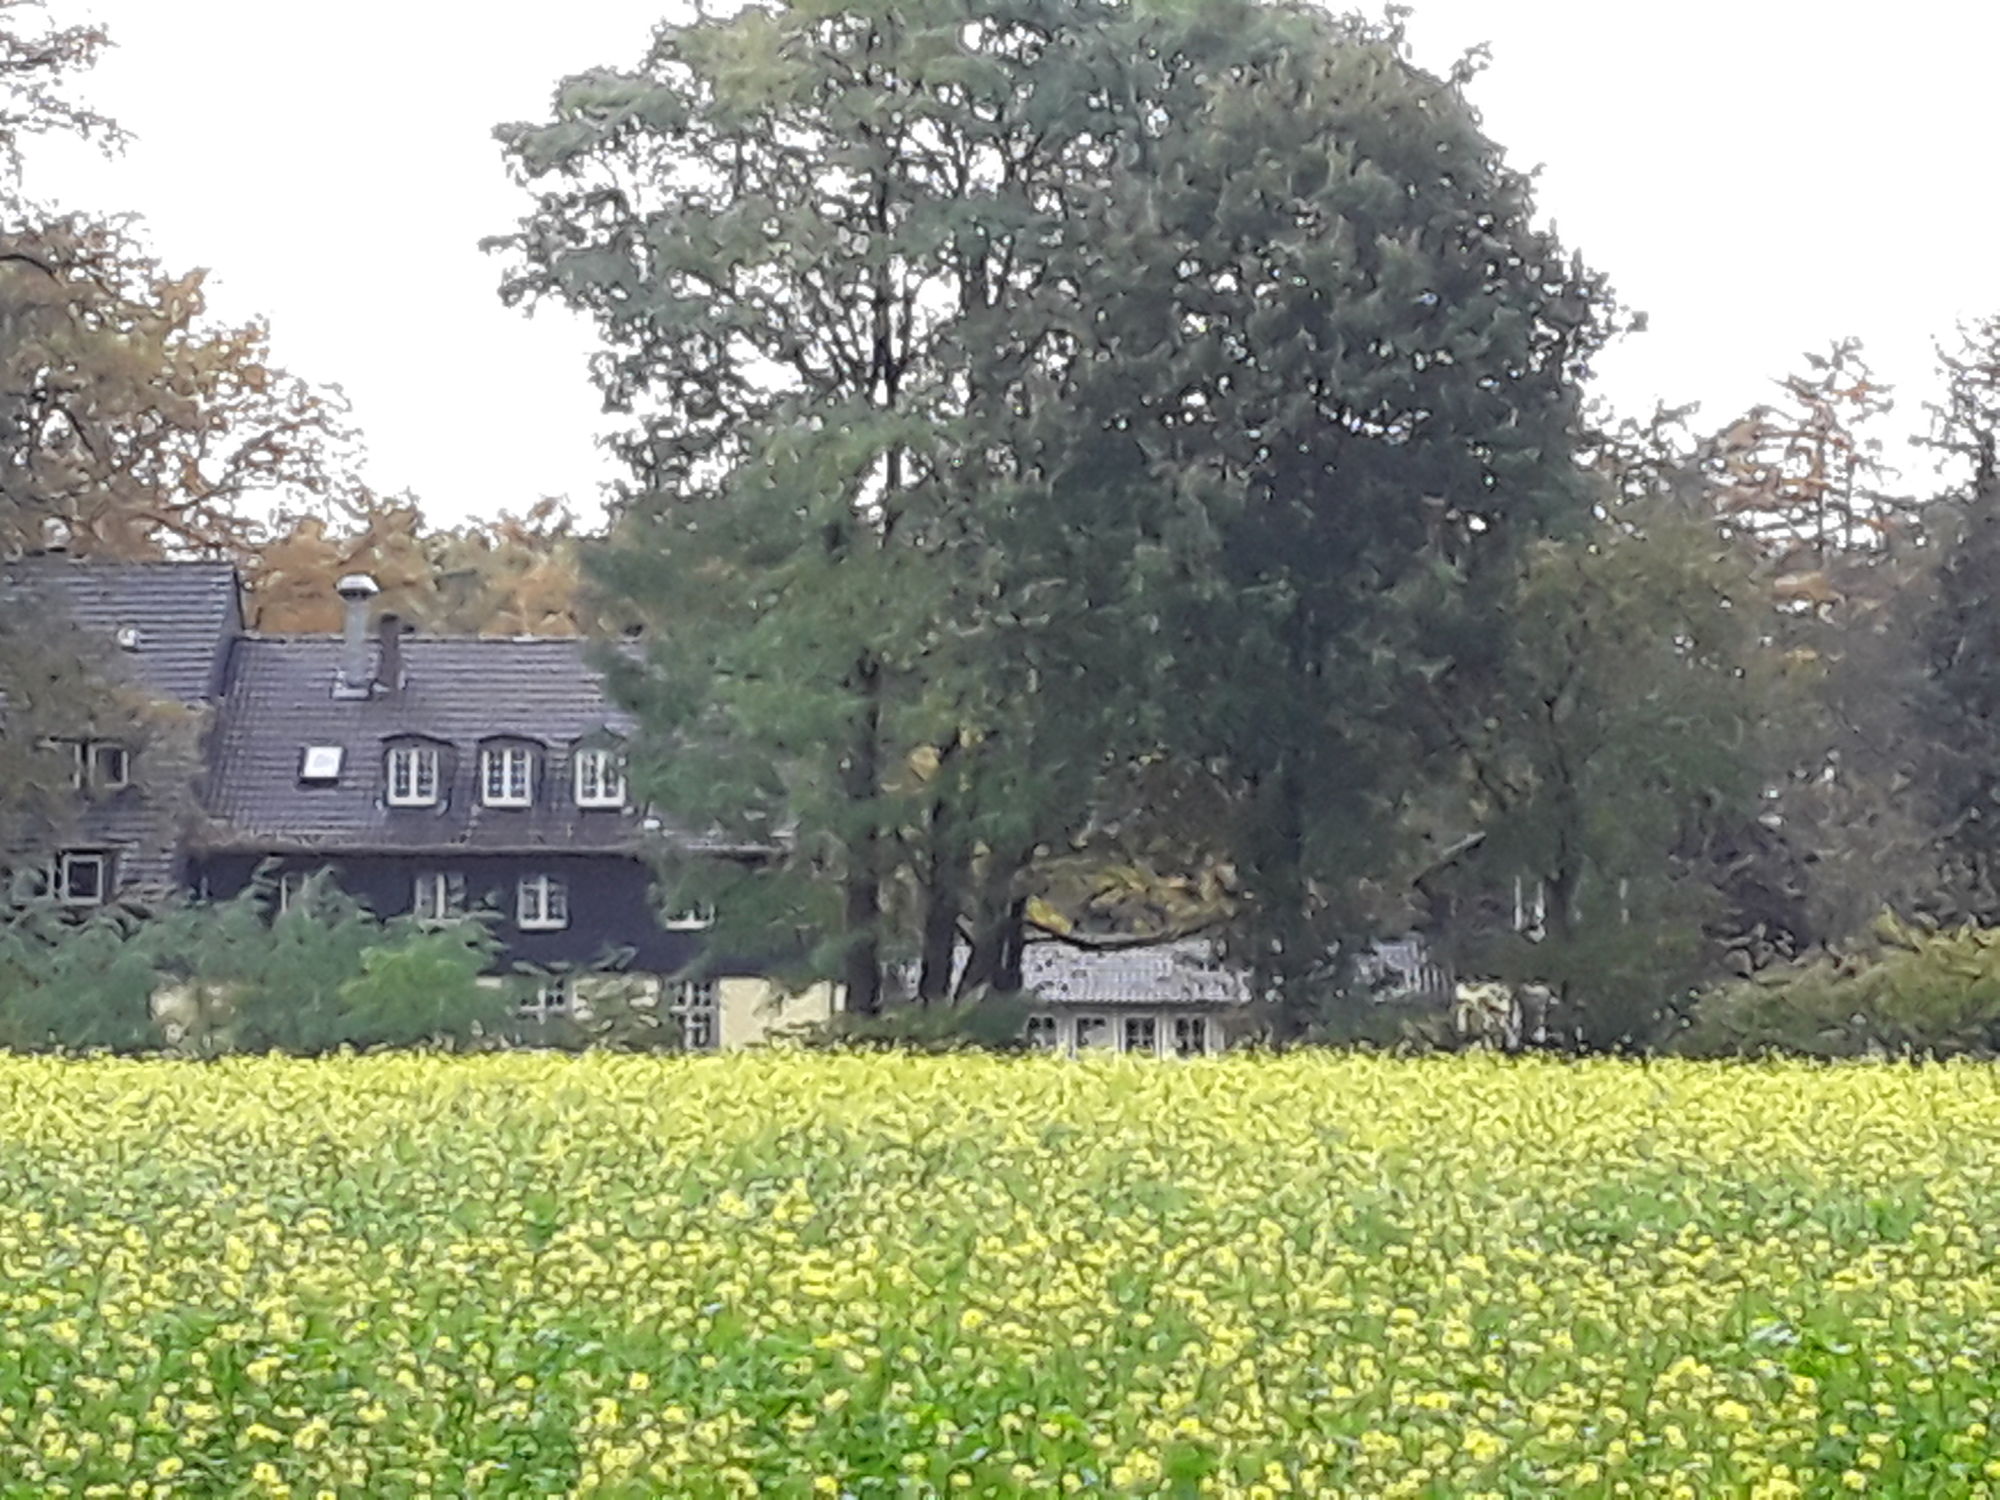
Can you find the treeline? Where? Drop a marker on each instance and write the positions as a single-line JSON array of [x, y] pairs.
[[1119, 471], [1129, 472]]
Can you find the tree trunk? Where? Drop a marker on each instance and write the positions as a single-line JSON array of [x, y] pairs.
[[993, 961], [943, 897], [1293, 1014], [1013, 946], [861, 965]]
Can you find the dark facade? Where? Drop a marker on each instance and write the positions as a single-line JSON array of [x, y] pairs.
[[610, 913]]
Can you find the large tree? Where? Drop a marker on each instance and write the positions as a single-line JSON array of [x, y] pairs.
[[1028, 393], [131, 422], [1615, 762], [838, 260], [1359, 399], [1957, 699]]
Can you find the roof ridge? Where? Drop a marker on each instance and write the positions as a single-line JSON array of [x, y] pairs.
[[426, 637], [70, 559]]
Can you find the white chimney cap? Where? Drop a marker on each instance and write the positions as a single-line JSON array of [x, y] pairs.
[[357, 586]]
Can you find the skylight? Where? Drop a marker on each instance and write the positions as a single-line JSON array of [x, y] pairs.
[[321, 763]]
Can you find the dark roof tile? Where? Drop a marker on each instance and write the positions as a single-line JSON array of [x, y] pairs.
[[458, 690], [184, 613]]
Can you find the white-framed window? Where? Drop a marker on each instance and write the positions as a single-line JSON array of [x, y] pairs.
[[413, 776], [693, 919], [541, 904], [1190, 1036], [600, 778], [697, 1007], [551, 998], [99, 765], [1141, 1034], [1092, 1031], [436, 896], [506, 776], [110, 765], [83, 879], [1043, 1033]]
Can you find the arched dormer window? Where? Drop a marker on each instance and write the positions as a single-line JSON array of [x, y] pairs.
[[413, 773], [507, 773], [597, 772]]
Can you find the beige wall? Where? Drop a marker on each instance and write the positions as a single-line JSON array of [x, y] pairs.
[[754, 1009]]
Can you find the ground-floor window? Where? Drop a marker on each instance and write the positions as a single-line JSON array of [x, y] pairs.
[[541, 903], [697, 1007], [1142, 1035], [550, 998], [1092, 1031], [436, 896], [83, 879], [1190, 1036], [1044, 1033]]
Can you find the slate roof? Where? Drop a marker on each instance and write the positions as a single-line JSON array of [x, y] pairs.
[[185, 613], [1187, 972], [459, 691], [183, 617]]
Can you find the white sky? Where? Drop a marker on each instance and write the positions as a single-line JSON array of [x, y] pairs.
[[1759, 176]]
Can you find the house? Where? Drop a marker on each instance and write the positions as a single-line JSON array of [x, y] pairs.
[[159, 634], [433, 776], [1181, 998], [1176, 999], [429, 776]]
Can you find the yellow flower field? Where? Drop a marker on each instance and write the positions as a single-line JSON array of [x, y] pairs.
[[809, 1275]]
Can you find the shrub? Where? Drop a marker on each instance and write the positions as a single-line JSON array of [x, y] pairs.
[[1909, 992], [992, 1023], [225, 977], [76, 984], [422, 984]]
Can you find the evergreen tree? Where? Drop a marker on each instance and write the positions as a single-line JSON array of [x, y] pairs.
[[1958, 705]]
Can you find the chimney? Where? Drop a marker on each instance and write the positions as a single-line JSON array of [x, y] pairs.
[[389, 664], [355, 590]]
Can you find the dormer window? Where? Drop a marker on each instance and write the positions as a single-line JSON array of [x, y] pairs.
[[100, 766], [505, 773], [600, 779], [413, 776]]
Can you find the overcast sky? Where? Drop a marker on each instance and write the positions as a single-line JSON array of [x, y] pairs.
[[1759, 177]]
